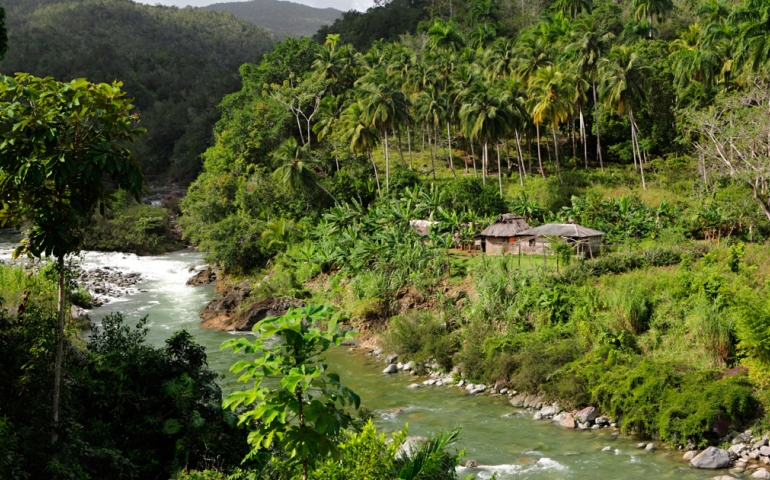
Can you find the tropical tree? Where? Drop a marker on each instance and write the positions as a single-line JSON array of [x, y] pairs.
[[385, 108], [694, 61], [552, 94], [359, 134], [484, 115], [649, 9], [573, 8], [305, 411], [3, 35], [753, 41], [445, 36], [588, 45], [622, 89], [60, 145], [294, 166]]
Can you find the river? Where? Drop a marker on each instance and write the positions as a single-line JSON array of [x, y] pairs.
[[507, 441]]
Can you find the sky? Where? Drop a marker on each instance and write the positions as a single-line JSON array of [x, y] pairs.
[[343, 5]]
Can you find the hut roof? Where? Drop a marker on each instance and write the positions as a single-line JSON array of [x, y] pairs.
[[572, 230], [506, 225], [421, 227]]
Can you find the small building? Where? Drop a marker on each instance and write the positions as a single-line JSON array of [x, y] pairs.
[[537, 240], [500, 237]]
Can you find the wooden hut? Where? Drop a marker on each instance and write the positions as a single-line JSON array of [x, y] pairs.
[[500, 237], [537, 240]]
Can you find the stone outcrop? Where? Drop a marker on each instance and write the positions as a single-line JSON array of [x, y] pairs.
[[711, 458], [226, 313], [204, 276]]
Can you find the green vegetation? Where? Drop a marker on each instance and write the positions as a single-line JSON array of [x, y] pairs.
[[176, 64], [615, 116], [284, 19], [129, 226]]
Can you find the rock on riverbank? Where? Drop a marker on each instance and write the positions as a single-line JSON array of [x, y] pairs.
[[105, 283], [229, 314]]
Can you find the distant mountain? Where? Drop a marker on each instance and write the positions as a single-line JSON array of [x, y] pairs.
[[177, 64], [284, 19]]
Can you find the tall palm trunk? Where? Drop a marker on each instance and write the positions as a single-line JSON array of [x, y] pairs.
[[539, 155], [484, 164], [387, 161], [635, 140], [572, 136], [598, 135], [499, 170], [400, 149], [449, 144], [59, 351], [432, 155], [409, 144], [522, 171], [473, 159], [583, 135], [556, 153]]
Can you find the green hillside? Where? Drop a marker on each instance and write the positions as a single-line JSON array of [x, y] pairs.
[[285, 19], [176, 63]]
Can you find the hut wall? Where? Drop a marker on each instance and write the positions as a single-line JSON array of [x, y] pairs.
[[590, 246]]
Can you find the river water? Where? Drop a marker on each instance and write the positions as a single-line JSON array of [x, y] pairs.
[[507, 441]]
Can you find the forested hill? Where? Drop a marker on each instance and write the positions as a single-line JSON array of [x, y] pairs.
[[176, 63], [284, 19]]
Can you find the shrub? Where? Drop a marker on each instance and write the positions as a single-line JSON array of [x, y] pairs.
[[420, 335], [470, 194]]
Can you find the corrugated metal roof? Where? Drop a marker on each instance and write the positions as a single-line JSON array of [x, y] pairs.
[[561, 230], [506, 225]]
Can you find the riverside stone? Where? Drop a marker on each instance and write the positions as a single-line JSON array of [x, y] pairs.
[[390, 369], [588, 414], [650, 447], [410, 446], [764, 451], [414, 386], [761, 473], [478, 389], [409, 365], [391, 358], [550, 411], [537, 416], [602, 420], [737, 448], [689, 455], [568, 421], [711, 458]]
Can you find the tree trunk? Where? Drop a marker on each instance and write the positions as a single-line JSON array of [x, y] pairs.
[[499, 170], [583, 135], [400, 149], [301, 418], [484, 164], [432, 155], [598, 135], [520, 155], [556, 153], [539, 155], [449, 143], [409, 144], [473, 159], [387, 163], [635, 139], [59, 351], [572, 135]]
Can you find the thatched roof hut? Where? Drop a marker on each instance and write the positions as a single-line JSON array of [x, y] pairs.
[[501, 235], [506, 225]]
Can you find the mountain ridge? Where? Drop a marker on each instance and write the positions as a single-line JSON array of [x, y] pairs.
[[283, 18]]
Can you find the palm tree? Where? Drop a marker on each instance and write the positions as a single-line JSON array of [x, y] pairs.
[[294, 166], [385, 107], [647, 9], [586, 49], [430, 108], [358, 132], [753, 42], [552, 94], [445, 36], [573, 8], [277, 233], [484, 115], [693, 59], [622, 89]]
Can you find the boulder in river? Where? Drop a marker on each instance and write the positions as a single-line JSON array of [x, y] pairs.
[[204, 276], [567, 421], [586, 415], [711, 458], [410, 446], [689, 455], [390, 369], [761, 473]]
